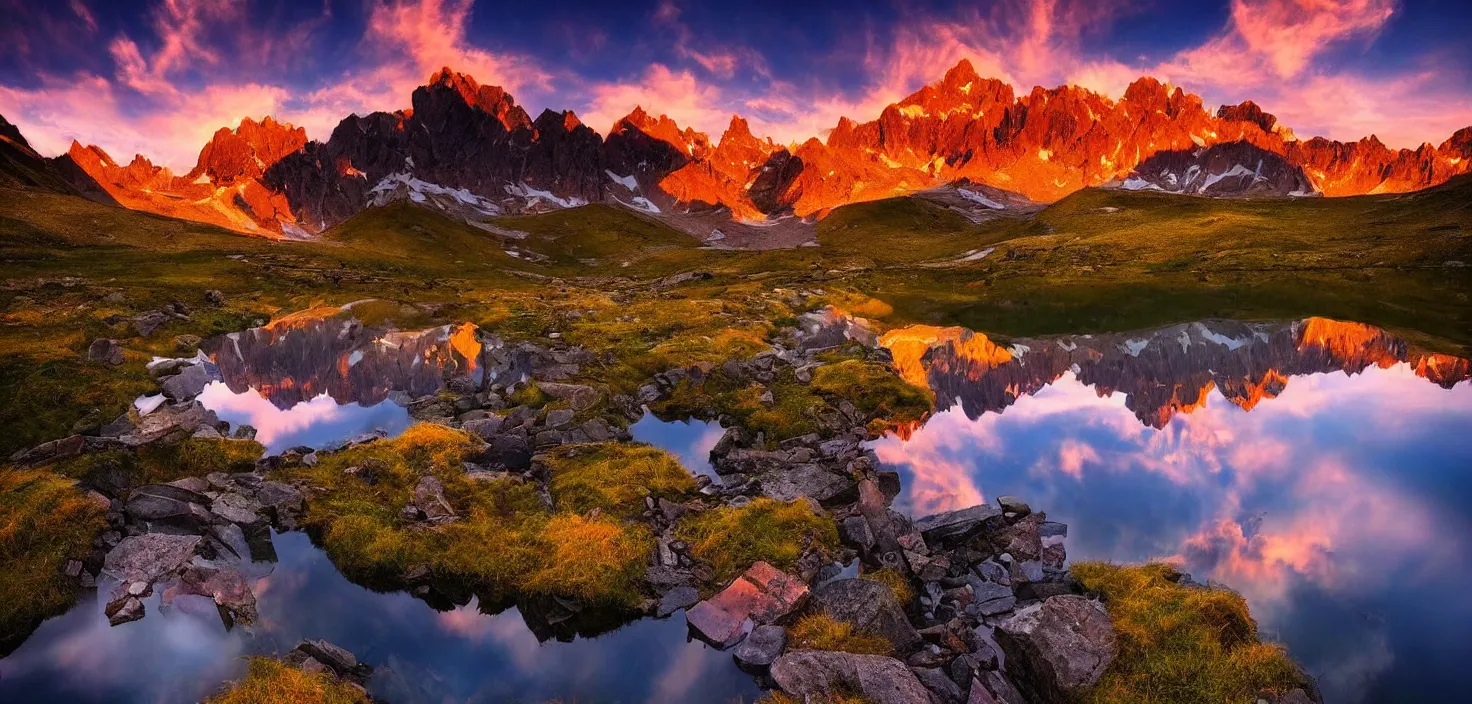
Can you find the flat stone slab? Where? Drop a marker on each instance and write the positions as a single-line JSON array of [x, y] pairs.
[[952, 524], [762, 595], [145, 558]]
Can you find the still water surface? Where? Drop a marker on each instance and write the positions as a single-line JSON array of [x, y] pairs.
[[1320, 468]]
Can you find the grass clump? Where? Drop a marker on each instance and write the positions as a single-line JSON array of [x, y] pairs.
[[615, 478], [506, 541], [1182, 644], [875, 390], [731, 539], [820, 631], [270, 681], [591, 558], [44, 521], [898, 583]]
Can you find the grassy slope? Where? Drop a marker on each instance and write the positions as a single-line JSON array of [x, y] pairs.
[[1156, 259]]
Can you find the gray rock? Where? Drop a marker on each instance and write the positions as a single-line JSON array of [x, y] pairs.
[[429, 496], [228, 589], [1012, 504], [597, 430], [939, 684], [681, 597], [145, 558], [124, 610], [283, 501], [237, 508], [484, 427], [188, 383], [870, 607], [107, 351], [559, 417], [1059, 646], [817, 675], [990, 598], [335, 657], [953, 525], [995, 688], [855, 530], [810, 480], [762, 646], [164, 502]]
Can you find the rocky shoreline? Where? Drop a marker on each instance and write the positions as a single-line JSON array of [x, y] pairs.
[[978, 604]]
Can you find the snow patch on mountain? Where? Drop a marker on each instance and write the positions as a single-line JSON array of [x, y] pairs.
[[975, 197], [533, 195], [402, 185]]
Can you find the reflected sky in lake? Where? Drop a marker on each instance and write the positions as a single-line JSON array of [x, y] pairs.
[[1333, 500], [690, 440], [420, 655], [317, 423]]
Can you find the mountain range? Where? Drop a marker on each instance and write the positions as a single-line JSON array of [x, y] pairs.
[[471, 151]]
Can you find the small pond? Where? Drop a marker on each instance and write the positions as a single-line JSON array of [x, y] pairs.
[[183, 652], [1321, 469]]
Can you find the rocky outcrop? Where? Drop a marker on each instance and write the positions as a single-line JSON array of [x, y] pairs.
[[21, 167], [1058, 647], [471, 151], [763, 595], [816, 675], [1234, 169]]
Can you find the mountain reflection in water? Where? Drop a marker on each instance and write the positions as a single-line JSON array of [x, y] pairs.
[[1320, 468], [182, 653], [316, 380]]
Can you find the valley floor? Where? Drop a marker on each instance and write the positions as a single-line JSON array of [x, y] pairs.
[[639, 300]]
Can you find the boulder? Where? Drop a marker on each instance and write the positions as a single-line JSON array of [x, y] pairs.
[[486, 427], [122, 611], [334, 657], [1057, 647], [107, 351], [763, 595], [429, 496], [870, 607], [1012, 504], [818, 675], [939, 683], [559, 417], [761, 647], [145, 558], [237, 508], [168, 504], [958, 524], [282, 501], [810, 480], [990, 598], [681, 597]]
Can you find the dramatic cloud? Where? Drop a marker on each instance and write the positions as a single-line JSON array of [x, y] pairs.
[[161, 83]]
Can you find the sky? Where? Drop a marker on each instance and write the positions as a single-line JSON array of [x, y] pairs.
[[158, 77]]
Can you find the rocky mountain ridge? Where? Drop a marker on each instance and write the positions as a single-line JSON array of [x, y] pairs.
[[477, 147]]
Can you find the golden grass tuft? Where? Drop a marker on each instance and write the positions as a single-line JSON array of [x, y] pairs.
[[44, 521], [615, 477], [875, 390], [593, 559], [898, 583], [820, 631], [731, 539], [270, 681], [1182, 644]]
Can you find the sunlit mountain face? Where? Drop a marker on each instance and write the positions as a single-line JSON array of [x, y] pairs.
[[1318, 467], [678, 109]]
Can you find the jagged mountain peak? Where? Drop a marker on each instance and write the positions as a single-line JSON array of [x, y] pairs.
[[494, 100], [246, 151], [1248, 111]]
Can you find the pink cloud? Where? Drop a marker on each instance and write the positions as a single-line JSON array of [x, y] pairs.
[[660, 90], [1291, 32]]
